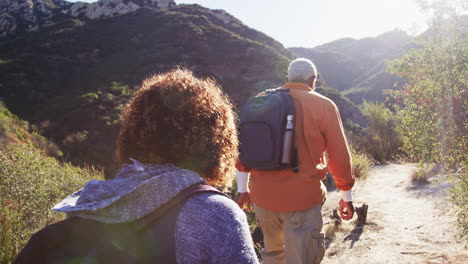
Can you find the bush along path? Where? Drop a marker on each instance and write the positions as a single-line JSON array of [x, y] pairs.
[[407, 222]]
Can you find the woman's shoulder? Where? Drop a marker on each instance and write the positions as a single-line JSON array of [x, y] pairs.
[[211, 228], [213, 207]]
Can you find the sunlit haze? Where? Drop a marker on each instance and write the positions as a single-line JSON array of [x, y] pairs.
[[308, 23]]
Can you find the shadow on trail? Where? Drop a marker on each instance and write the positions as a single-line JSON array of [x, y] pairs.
[[355, 234], [428, 189], [433, 184]]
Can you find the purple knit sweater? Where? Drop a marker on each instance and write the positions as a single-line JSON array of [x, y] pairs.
[[209, 229]]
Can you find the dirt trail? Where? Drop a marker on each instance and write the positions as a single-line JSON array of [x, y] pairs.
[[405, 223]]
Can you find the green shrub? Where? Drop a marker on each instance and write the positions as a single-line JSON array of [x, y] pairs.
[[13, 129], [382, 141], [9, 227], [44, 144], [76, 138], [89, 98], [30, 184], [117, 89], [108, 97], [5, 61], [109, 102], [458, 196]]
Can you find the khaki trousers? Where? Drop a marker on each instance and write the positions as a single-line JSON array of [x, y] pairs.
[[291, 237]]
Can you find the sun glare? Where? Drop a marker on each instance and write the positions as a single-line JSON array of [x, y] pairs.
[[373, 17]]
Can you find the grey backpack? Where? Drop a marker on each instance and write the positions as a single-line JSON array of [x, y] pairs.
[[267, 131]]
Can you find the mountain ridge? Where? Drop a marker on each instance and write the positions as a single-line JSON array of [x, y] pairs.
[[357, 66], [17, 16]]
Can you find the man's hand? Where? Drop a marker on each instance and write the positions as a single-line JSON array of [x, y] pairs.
[[243, 199], [346, 210]]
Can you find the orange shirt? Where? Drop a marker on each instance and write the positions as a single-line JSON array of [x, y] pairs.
[[318, 129]]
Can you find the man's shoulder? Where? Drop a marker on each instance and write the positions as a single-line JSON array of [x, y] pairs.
[[317, 98]]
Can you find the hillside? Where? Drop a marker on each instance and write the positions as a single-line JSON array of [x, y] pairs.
[[371, 85], [358, 67], [31, 182], [73, 76], [13, 130]]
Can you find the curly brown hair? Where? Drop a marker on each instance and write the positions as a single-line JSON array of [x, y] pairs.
[[180, 119]]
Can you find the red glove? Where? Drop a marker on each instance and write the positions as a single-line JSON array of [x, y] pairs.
[[346, 210]]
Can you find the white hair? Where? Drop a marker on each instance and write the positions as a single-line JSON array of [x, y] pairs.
[[301, 69]]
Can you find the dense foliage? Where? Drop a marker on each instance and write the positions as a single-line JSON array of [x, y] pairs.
[[432, 107], [13, 129], [30, 184], [382, 141]]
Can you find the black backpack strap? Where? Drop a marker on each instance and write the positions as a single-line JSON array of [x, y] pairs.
[[142, 223], [294, 156], [162, 233], [283, 90], [294, 163]]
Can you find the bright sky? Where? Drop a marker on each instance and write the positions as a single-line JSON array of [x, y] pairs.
[[308, 23]]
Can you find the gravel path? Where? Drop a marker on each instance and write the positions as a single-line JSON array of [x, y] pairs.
[[406, 223]]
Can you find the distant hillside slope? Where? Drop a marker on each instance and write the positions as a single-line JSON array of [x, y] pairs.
[[31, 182], [13, 130], [372, 84], [349, 63]]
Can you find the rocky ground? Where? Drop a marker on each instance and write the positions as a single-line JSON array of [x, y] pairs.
[[406, 222]]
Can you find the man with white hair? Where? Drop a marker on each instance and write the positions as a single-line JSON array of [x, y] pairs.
[[288, 204]]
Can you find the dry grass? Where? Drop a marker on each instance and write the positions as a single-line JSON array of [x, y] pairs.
[[362, 164], [332, 228], [419, 176]]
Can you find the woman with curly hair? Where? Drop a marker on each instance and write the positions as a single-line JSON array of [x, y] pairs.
[[178, 133]]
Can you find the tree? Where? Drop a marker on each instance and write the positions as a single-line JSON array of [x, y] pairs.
[[432, 107]]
